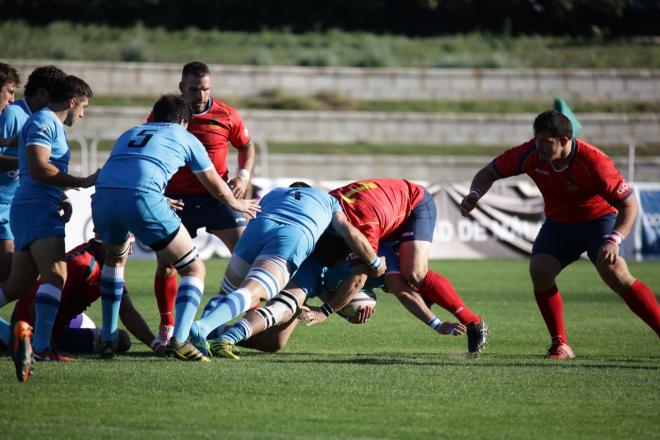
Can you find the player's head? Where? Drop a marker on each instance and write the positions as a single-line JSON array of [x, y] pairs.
[[39, 83], [195, 85], [330, 249], [71, 93], [553, 133], [172, 108], [9, 81], [300, 184]]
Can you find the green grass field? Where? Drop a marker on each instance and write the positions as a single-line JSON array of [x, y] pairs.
[[390, 378]]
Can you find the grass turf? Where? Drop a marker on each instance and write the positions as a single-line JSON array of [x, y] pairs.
[[390, 378]]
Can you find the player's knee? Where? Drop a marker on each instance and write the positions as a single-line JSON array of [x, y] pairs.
[[189, 264], [415, 276], [123, 341]]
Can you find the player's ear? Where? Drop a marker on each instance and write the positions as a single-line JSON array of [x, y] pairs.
[[564, 140]]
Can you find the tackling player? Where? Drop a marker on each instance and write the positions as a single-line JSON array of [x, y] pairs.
[[399, 210], [216, 125], [141, 163], [588, 207], [273, 247]]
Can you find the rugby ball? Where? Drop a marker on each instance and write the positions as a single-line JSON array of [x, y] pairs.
[[362, 299]]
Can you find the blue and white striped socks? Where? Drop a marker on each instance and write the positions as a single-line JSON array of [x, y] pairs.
[[112, 288], [226, 309], [188, 298], [46, 306]]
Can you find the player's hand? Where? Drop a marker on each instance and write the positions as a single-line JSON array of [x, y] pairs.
[[90, 180], [375, 273], [362, 314], [67, 210], [311, 315], [608, 253], [249, 207], [175, 204], [238, 187], [468, 203], [452, 329]]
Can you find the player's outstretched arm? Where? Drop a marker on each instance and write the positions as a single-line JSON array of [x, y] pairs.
[[358, 244], [346, 291], [43, 171], [221, 191], [134, 322], [414, 303], [625, 220], [481, 183]]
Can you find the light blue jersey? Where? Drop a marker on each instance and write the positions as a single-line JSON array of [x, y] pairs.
[[309, 209], [11, 122], [45, 130], [145, 157]]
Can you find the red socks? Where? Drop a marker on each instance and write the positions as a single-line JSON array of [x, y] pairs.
[[552, 309], [642, 302], [165, 290], [438, 289]]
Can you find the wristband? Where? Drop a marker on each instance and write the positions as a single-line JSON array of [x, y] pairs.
[[155, 343], [243, 174], [375, 263], [326, 309], [615, 237], [476, 192], [434, 323]]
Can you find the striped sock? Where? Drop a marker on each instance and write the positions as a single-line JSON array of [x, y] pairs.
[[112, 287], [225, 310], [240, 331], [187, 301], [212, 303], [46, 305], [5, 332]]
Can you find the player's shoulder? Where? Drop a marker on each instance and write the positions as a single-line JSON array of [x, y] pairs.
[[586, 150], [16, 110]]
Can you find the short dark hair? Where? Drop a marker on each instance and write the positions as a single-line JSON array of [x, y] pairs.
[[195, 68], [171, 108], [300, 184], [555, 123], [42, 78], [8, 75], [69, 87]]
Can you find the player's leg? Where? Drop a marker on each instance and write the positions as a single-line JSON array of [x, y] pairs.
[[165, 289], [19, 281], [112, 289], [637, 295], [555, 247], [6, 254], [48, 254]]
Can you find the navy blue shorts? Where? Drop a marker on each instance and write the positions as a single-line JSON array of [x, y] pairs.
[[567, 241], [421, 222], [206, 211]]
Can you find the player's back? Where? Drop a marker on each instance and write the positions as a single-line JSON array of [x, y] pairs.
[[307, 208], [145, 157]]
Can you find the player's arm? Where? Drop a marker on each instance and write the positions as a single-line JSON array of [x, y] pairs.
[[43, 171], [11, 142], [134, 322], [346, 291], [625, 220], [481, 183], [414, 303], [221, 191], [358, 244], [8, 163], [246, 157]]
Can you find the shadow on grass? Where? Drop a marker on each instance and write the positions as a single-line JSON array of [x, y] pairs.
[[462, 360]]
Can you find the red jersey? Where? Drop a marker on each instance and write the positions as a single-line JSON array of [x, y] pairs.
[[377, 207], [82, 287], [587, 188], [215, 128]]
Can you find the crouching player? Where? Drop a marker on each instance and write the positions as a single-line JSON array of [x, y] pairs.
[[269, 328], [141, 163], [81, 289]]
